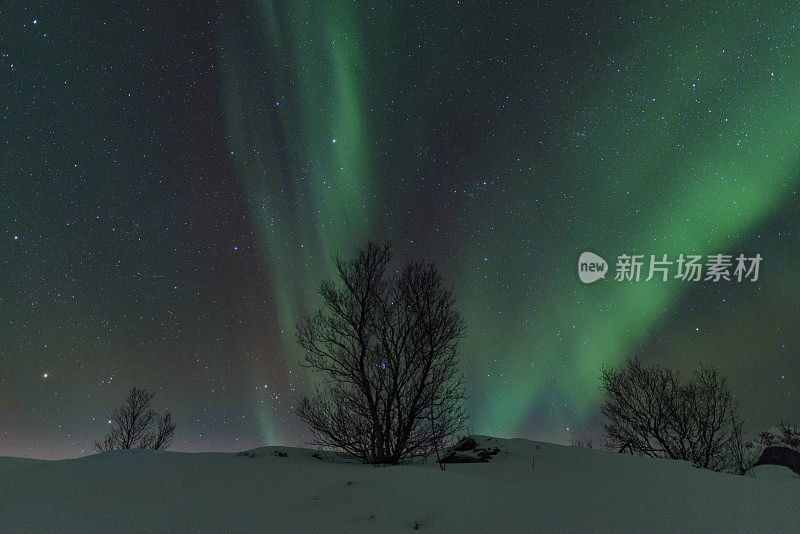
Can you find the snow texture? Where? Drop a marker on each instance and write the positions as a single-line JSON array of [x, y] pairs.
[[526, 486]]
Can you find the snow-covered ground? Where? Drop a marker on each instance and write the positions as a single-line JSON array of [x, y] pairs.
[[527, 486]]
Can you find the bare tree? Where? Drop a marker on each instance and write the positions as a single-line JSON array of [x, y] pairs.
[[136, 426], [386, 347], [650, 411], [585, 441]]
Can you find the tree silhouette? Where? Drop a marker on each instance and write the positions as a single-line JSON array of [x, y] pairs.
[[136, 426], [386, 347], [650, 411]]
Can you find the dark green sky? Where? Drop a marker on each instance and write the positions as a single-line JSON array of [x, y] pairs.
[[175, 179]]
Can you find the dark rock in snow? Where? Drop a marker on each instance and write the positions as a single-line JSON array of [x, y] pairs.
[[781, 456], [467, 450]]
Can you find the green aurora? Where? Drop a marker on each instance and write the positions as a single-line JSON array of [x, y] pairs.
[[503, 144]]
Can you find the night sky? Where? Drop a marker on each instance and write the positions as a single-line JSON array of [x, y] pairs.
[[174, 181]]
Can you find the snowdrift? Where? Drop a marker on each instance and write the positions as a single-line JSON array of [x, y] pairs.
[[523, 486]]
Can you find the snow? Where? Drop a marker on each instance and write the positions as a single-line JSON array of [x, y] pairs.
[[775, 471], [526, 486]]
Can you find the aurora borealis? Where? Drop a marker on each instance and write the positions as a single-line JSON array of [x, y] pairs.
[[176, 179]]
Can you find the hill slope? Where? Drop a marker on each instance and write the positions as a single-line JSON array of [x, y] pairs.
[[526, 486]]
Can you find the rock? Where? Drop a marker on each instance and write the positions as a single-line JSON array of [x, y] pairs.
[[781, 456], [467, 450]]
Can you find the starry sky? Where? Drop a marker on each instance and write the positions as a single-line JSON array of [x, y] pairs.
[[175, 179]]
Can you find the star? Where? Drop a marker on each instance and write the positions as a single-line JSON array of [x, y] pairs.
[[438, 156]]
